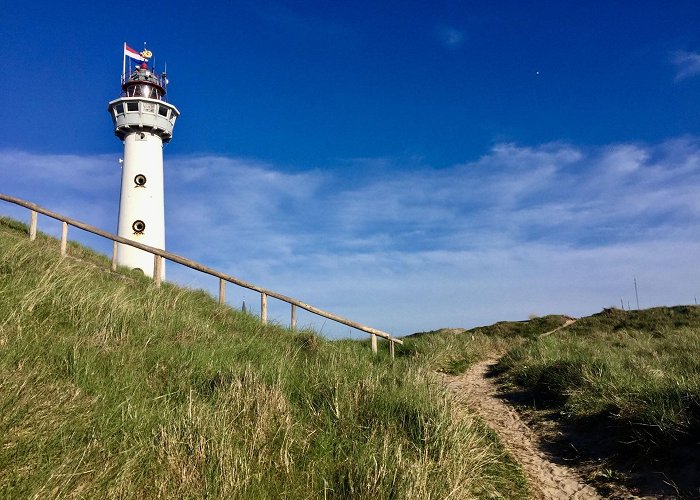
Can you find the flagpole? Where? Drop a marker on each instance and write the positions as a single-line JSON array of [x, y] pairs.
[[123, 63]]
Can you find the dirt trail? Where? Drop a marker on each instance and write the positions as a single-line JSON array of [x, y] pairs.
[[547, 479], [568, 322]]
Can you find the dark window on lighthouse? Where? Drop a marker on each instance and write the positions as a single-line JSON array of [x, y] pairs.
[[163, 111], [132, 106]]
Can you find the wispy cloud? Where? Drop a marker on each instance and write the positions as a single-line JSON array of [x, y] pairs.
[[688, 64], [295, 20], [551, 228], [451, 37], [78, 186]]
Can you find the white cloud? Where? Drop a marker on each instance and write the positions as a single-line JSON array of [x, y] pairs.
[[450, 37], [81, 187], [688, 64], [552, 228]]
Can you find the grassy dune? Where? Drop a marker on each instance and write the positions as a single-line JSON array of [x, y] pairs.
[[621, 387], [625, 389], [455, 350], [110, 387], [638, 368]]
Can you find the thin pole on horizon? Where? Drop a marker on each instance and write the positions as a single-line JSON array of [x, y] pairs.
[[636, 294]]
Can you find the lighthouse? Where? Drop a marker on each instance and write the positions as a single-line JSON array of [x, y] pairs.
[[144, 121]]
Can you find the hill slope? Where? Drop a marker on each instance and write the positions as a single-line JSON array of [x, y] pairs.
[[454, 350], [626, 387], [617, 392], [110, 387]]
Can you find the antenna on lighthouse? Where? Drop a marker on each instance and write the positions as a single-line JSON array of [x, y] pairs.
[[144, 121], [166, 82]]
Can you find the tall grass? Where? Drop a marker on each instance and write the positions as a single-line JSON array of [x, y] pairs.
[[637, 369], [455, 350], [110, 387]]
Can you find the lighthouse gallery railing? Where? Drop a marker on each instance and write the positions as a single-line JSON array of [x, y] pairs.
[[159, 255]]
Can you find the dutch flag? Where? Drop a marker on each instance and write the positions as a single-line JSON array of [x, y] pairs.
[[129, 52]]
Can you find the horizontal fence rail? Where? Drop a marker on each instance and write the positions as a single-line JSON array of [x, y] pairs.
[[159, 255]]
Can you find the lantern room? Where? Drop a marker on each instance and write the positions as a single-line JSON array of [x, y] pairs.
[[143, 82]]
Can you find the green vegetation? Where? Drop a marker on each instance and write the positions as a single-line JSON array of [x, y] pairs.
[[638, 370], [454, 351], [622, 386], [110, 387]]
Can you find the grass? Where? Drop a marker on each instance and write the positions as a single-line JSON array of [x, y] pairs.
[[638, 369], [453, 351], [624, 387], [110, 387]]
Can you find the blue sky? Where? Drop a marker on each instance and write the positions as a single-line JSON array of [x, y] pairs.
[[410, 165]]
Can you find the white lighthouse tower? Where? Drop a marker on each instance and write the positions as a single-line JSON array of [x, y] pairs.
[[144, 121]]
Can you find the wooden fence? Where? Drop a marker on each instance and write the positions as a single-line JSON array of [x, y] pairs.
[[159, 255]]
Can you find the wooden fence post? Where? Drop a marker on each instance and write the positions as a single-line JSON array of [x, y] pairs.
[[64, 239], [263, 308], [157, 269], [294, 317], [114, 256], [32, 226], [222, 292], [374, 344], [391, 348]]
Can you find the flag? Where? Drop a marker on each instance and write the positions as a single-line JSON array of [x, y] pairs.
[[129, 52]]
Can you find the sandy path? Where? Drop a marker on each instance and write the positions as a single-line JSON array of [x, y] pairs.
[[547, 479], [568, 322]]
